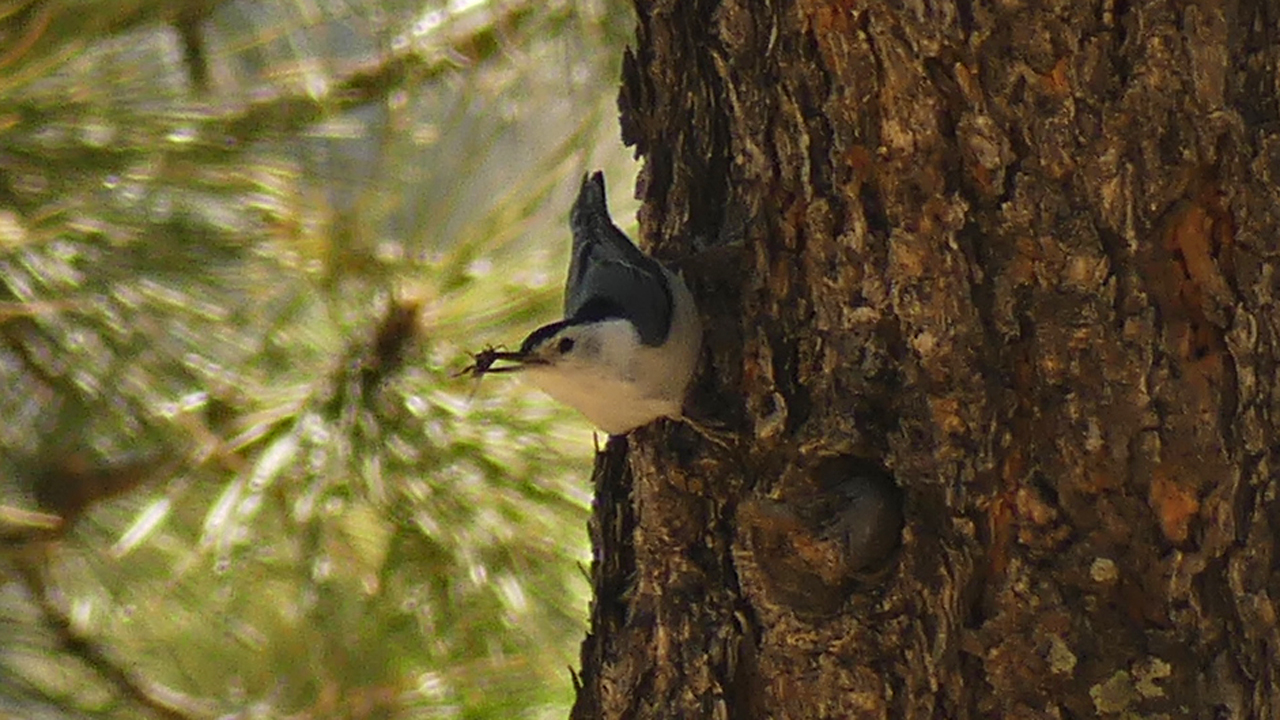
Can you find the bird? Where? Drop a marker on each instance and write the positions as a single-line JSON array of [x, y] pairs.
[[626, 350]]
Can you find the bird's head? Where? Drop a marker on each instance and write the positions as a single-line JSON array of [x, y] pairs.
[[570, 348], [598, 367]]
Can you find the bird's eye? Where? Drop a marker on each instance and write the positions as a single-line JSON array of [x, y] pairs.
[[565, 345]]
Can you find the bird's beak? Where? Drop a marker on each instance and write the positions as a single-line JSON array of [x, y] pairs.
[[485, 359], [521, 362]]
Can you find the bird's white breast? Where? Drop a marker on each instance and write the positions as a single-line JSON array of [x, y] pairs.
[[612, 402]]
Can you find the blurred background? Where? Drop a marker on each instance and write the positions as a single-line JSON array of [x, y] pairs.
[[245, 248]]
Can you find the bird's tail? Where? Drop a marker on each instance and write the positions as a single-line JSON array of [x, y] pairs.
[[591, 203]]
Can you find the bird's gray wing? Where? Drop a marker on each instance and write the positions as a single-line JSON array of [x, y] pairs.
[[608, 275]]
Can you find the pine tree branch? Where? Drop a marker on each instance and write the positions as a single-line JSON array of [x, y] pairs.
[[18, 525], [31, 29], [284, 110], [74, 483], [162, 702], [467, 40]]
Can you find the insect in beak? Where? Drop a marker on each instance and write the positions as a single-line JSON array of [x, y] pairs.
[[483, 362]]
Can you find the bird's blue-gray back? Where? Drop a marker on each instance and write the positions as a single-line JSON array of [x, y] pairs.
[[608, 275]]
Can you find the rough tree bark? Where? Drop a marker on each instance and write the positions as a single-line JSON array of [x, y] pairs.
[[1023, 255]]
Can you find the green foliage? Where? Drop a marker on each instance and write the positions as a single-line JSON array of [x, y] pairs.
[[238, 276]]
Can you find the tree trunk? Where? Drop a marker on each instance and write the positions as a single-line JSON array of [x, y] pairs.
[[1022, 255]]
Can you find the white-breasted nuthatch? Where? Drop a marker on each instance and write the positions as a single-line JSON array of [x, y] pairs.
[[625, 352]]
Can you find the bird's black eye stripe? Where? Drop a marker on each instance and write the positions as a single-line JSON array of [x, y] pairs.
[[565, 345]]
